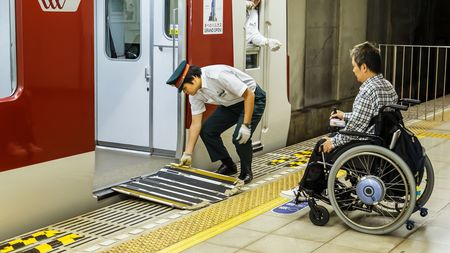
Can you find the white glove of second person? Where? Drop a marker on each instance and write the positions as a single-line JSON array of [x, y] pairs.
[[186, 159], [274, 44], [244, 134]]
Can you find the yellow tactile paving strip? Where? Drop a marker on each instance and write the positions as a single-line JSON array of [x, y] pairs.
[[422, 128], [434, 135], [206, 218]]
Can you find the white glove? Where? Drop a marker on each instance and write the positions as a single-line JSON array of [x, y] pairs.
[[244, 134], [186, 159], [274, 44], [249, 5]]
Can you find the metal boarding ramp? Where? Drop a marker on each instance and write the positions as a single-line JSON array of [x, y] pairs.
[[182, 187]]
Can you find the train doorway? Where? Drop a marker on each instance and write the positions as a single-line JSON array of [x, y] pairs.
[[135, 109]]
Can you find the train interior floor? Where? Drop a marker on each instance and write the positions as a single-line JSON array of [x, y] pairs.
[[256, 220]]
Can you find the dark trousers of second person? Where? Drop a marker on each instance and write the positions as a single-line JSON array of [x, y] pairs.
[[225, 117], [314, 177]]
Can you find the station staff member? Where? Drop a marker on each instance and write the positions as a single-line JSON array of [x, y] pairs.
[[240, 101]]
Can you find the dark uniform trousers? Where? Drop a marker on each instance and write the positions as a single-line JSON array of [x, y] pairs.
[[314, 177], [225, 117]]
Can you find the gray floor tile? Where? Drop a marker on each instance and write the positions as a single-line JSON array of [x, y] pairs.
[[430, 143], [439, 152], [236, 237], [209, 247], [441, 194], [442, 183], [283, 244], [333, 248], [436, 204], [412, 246], [375, 243], [304, 229], [265, 223], [432, 234], [441, 218], [441, 170]]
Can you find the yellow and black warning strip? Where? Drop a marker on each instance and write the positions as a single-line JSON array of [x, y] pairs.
[[54, 244], [28, 240], [303, 154], [279, 160], [297, 163], [182, 187], [295, 160]]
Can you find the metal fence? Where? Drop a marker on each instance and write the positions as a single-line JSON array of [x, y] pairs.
[[419, 72]]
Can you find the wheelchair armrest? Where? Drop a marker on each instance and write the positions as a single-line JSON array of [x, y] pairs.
[[409, 101], [395, 106], [361, 134]]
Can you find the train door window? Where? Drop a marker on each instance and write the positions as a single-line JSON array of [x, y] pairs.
[[7, 48], [123, 29], [171, 18], [252, 59]]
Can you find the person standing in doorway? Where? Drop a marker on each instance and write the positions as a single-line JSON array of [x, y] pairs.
[[253, 35], [240, 101]]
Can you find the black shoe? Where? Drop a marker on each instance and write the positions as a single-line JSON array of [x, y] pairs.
[[246, 176], [227, 170]]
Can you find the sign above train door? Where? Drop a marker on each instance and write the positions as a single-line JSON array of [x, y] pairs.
[[59, 5], [212, 17]]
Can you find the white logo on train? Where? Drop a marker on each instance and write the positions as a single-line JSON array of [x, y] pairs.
[[59, 5]]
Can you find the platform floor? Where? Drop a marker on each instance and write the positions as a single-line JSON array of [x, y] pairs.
[[260, 229], [271, 232], [247, 223]]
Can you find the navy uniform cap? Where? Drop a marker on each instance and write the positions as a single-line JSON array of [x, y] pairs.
[[177, 77]]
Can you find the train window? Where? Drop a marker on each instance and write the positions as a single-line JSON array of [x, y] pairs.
[[7, 49], [171, 18], [123, 29], [252, 57], [251, 61]]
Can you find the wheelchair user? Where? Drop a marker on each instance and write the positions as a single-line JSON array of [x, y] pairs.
[[374, 93]]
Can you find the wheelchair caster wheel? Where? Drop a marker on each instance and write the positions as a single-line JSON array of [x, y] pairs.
[[319, 215], [410, 225], [423, 212]]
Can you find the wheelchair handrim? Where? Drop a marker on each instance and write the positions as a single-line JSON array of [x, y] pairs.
[[392, 160]]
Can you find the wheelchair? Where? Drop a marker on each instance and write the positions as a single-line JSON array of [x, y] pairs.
[[369, 186]]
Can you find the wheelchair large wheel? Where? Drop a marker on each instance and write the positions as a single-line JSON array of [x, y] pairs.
[[378, 193], [425, 185]]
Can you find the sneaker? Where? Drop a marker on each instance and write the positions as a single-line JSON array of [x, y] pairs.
[[293, 193]]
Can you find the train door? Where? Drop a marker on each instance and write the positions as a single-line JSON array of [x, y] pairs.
[[166, 109], [123, 73], [135, 54], [268, 68]]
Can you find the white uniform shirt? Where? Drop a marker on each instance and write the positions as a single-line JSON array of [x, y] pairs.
[[252, 32], [221, 85]]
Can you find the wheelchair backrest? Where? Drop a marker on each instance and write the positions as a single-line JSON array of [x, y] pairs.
[[396, 137], [386, 124]]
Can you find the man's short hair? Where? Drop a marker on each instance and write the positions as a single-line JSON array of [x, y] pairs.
[[192, 72], [367, 53]]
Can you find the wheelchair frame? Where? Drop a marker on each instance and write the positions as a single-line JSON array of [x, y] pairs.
[[364, 199]]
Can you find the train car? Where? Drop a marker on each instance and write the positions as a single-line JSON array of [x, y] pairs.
[[79, 76]]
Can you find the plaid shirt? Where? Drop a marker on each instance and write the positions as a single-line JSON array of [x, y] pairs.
[[374, 93]]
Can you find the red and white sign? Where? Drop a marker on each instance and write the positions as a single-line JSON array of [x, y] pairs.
[[59, 5]]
